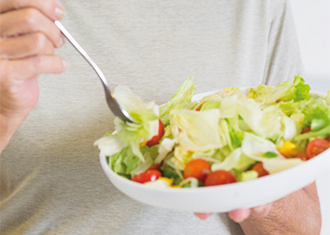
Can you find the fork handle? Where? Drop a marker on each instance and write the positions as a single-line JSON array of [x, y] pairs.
[[112, 102]]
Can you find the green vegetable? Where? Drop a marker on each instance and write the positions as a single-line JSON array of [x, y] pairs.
[[247, 175], [269, 155], [230, 129], [181, 98]]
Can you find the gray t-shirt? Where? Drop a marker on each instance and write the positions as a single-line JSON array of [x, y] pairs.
[[51, 179]]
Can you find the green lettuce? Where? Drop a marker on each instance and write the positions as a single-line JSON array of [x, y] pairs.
[[181, 98], [286, 91], [233, 130], [196, 131], [256, 147]]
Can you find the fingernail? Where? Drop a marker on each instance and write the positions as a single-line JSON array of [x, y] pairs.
[[203, 216], [238, 220], [65, 64], [239, 215], [59, 13], [259, 209], [61, 43]]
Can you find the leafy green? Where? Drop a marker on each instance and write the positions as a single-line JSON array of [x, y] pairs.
[[231, 129], [247, 175], [270, 155], [286, 91], [182, 96]]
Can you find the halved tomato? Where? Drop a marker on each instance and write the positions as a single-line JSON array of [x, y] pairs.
[[219, 177], [197, 168], [316, 146], [259, 168], [150, 175], [156, 138]]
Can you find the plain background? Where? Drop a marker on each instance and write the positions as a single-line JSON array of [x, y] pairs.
[[312, 20]]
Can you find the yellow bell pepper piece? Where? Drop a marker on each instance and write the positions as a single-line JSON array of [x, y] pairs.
[[288, 149], [167, 180]]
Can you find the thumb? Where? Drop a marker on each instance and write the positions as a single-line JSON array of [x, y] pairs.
[[203, 216]]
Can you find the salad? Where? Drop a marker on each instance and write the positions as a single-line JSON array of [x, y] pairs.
[[230, 136]]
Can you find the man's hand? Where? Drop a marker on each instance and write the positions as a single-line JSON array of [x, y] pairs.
[[297, 213], [28, 38]]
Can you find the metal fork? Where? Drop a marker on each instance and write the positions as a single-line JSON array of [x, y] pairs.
[[112, 102]]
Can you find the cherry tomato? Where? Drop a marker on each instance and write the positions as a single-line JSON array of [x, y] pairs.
[[197, 168], [316, 146], [219, 177], [302, 155], [154, 167], [155, 139], [259, 168], [150, 175]]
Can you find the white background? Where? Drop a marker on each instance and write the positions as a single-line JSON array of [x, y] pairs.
[[312, 18]]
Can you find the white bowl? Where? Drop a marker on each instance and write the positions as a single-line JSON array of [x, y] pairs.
[[228, 197]]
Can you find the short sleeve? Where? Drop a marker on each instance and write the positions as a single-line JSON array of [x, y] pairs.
[[283, 60]]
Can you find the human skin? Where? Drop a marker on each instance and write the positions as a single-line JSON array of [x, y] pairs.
[[28, 38], [297, 213]]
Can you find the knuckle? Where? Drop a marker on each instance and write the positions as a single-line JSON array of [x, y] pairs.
[[39, 41], [30, 16], [37, 63], [46, 64]]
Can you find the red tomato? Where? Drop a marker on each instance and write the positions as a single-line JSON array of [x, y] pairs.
[[150, 175], [155, 139], [259, 168], [197, 168], [316, 146], [154, 167], [302, 155], [219, 177]]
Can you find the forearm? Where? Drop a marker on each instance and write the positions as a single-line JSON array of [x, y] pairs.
[[298, 213]]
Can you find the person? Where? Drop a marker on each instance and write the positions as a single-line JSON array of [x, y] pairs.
[[51, 181]]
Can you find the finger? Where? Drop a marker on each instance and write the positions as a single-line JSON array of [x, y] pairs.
[[25, 46], [203, 216], [239, 215], [261, 211], [53, 9], [29, 20], [23, 69]]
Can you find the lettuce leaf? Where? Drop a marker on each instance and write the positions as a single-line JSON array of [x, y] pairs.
[[181, 97], [286, 91], [232, 129], [196, 131], [255, 147]]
